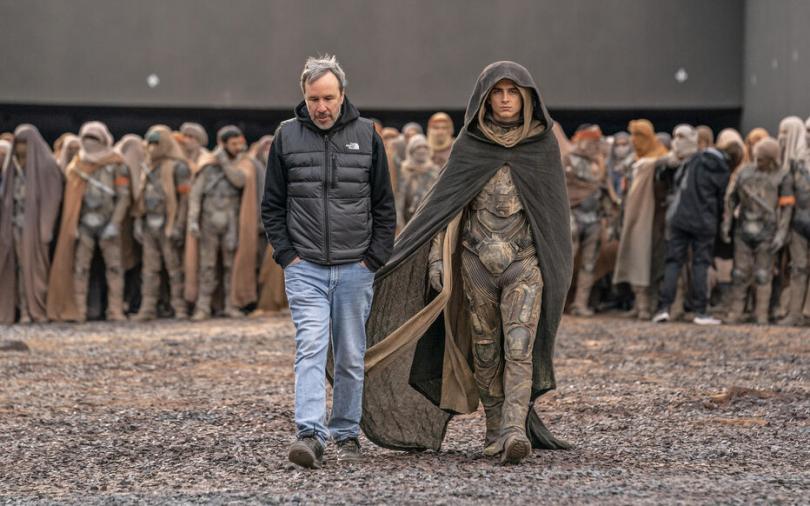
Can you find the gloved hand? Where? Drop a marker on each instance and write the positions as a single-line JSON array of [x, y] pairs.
[[110, 231], [436, 274], [137, 231], [194, 229]]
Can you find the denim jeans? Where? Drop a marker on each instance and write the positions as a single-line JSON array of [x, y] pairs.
[[328, 300]]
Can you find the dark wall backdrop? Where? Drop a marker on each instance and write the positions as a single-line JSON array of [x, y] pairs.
[[241, 59], [777, 62]]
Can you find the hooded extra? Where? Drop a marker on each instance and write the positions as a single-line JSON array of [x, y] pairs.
[[418, 364], [43, 195]]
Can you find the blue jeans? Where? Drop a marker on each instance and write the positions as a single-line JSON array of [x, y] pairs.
[[321, 295]]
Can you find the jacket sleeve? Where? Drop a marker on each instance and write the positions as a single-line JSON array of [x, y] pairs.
[[274, 206], [383, 211]]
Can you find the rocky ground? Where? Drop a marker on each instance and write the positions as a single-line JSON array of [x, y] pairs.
[[202, 413]]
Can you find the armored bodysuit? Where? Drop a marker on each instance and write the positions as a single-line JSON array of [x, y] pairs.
[[214, 217], [503, 288], [587, 215], [799, 243], [105, 204], [163, 209], [760, 199]]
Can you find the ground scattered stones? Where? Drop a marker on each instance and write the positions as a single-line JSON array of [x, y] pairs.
[[203, 413]]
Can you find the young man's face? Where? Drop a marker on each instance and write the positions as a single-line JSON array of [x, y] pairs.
[[505, 101], [441, 130], [324, 100], [235, 145]]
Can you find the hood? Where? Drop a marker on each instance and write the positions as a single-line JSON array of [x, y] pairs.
[[348, 113], [713, 160], [487, 79]]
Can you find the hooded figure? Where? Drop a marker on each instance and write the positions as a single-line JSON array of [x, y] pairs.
[[761, 200], [222, 220], [440, 131], [424, 346], [70, 148], [619, 162], [31, 193], [96, 202], [799, 175], [590, 204], [160, 220], [417, 175], [643, 219], [754, 136], [195, 141]]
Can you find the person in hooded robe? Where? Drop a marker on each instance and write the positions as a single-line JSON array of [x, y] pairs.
[[665, 139], [619, 162], [440, 132], [194, 143], [799, 240], [590, 205], [161, 210], [705, 137], [642, 229], [754, 136], [271, 295], [760, 199], [389, 137], [71, 144], [417, 176], [400, 145], [222, 222], [96, 204], [30, 196], [468, 307]]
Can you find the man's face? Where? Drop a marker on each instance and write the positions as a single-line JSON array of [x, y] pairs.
[[505, 101], [190, 144], [441, 130], [421, 154], [621, 147], [590, 146], [235, 145], [324, 100], [20, 150], [764, 164]]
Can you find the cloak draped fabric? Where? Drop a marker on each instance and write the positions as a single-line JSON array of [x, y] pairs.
[[61, 294], [43, 196], [131, 149], [243, 273], [634, 258], [418, 363]]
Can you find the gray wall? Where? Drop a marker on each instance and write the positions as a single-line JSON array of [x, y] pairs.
[[403, 54], [777, 62]]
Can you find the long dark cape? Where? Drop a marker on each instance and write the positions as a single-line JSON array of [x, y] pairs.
[[402, 393]]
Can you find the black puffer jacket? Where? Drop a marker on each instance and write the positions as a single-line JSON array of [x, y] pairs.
[[700, 188], [328, 196]]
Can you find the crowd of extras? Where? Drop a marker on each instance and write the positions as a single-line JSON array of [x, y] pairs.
[[664, 226]]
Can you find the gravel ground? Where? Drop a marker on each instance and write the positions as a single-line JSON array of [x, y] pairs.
[[202, 413]]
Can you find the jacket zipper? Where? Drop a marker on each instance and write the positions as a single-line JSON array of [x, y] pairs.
[[326, 197]]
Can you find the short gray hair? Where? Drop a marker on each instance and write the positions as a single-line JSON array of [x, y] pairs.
[[315, 68]]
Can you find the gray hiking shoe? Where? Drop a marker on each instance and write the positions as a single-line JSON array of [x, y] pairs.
[[307, 452], [348, 451]]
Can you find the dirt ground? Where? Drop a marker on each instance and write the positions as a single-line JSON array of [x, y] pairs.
[[203, 413]]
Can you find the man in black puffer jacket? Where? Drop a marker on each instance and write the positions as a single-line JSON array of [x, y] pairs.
[[328, 211], [693, 219]]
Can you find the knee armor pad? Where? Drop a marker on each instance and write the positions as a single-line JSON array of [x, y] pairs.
[[516, 342], [737, 276], [761, 276]]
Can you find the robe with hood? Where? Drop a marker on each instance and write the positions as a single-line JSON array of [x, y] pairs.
[[419, 362], [43, 196]]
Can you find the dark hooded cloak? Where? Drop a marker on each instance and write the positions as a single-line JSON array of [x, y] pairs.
[[407, 371]]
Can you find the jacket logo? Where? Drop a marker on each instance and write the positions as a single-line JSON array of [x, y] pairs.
[[353, 146]]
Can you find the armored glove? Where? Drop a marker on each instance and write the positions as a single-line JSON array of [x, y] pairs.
[[778, 243]]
